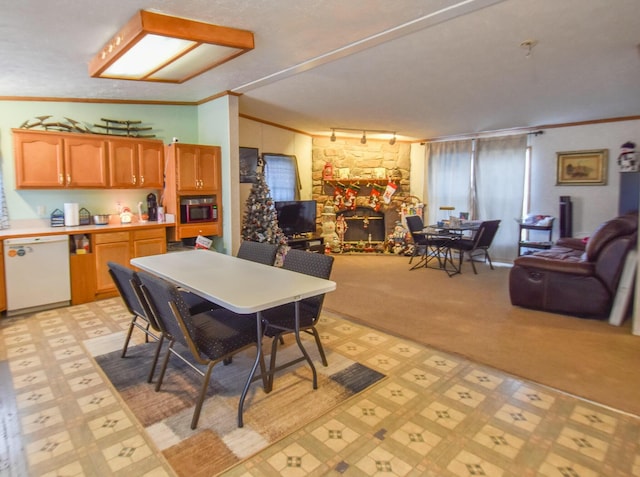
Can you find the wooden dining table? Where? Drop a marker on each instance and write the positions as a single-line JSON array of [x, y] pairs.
[[239, 285]]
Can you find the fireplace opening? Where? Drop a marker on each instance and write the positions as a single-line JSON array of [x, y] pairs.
[[363, 225]]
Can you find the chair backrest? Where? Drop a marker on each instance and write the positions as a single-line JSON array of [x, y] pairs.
[[314, 264], [415, 224], [486, 232], [160, 294], [261, 252], [128, 285]]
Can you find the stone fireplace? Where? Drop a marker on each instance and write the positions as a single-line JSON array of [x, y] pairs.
[[359, 164], [364, 225]]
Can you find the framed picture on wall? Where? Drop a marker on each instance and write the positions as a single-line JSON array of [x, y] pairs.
[[248, 164], [582, 167]]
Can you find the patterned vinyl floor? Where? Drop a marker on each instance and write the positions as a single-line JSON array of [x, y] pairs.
[[435, 415]]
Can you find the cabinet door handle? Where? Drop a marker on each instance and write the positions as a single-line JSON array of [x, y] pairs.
[[68, 179], [134, 180], [61, 179], [141, 180]]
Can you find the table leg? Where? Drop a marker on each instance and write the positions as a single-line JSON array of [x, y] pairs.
[[253, 369]]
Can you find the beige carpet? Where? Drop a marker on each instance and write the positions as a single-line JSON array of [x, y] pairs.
[[471, 315]]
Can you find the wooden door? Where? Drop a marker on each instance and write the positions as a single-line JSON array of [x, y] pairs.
[[208, 168], [85, 160], [151, 164], [123, 163], [187, 168], [39, 160]]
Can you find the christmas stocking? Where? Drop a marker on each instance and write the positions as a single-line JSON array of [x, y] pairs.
[[350, 196], [338, 196], [389, 191], [374, 197]]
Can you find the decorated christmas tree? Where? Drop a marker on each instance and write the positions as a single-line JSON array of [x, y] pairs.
[[260, 222]]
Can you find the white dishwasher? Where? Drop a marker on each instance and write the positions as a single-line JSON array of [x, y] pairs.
[[37, 273]]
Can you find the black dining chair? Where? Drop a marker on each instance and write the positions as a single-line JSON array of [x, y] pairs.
[[425, 246], [260, 252], [209, 337], [280, 320], [478, 244], [128, 285]]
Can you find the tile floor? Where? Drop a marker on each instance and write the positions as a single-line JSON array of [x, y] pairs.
[[434, 415]]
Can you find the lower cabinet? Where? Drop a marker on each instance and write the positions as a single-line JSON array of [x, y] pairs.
[[90, 279], [109, 247]]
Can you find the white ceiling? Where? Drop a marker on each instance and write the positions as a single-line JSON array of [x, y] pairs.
[[424, 68]]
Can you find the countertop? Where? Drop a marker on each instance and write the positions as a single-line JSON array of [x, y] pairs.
[[37, 227]]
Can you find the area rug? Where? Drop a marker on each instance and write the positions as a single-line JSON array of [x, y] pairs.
[[217, 443]]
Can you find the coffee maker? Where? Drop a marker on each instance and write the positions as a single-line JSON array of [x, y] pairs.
[[152, 207]]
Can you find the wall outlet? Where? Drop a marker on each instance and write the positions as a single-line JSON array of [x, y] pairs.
[[41, 210]]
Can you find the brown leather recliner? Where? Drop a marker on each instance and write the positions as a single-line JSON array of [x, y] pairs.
[[573, 278]]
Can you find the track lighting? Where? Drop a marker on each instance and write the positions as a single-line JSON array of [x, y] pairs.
[[363, 139]]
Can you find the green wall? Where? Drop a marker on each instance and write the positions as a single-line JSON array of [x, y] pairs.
[[167, 122]]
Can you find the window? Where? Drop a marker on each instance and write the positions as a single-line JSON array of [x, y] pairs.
[[281, 175]]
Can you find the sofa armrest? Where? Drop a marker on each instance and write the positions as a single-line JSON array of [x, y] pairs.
[[572, 242], [543, 264]]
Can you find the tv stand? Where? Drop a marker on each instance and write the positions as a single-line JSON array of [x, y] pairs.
[[310, 243]]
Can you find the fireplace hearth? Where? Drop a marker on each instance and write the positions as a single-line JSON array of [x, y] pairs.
[[363, 225]]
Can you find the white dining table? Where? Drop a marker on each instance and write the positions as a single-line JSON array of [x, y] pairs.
[[239, 285]]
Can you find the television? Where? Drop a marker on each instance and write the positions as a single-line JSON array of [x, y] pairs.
[[296, 217]]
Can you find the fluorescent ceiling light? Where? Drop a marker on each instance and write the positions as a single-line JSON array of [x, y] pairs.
[[158, 47]]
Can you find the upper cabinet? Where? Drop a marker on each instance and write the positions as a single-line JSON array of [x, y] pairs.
[[136, 163], [197, 167], [52, 160]]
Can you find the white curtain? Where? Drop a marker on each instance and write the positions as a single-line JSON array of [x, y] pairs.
[[282, 177], [499, 172], [449, 179]]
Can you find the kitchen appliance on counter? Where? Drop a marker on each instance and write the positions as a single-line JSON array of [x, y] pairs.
[[152, 207], [198, 209], [37, 273]]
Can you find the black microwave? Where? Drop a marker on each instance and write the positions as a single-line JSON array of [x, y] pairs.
[[198, 209]]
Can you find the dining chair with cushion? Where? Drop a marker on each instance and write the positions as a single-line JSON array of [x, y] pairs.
[[478, 244], [207, 338], [128, 285], [261, 252], [281, 320]]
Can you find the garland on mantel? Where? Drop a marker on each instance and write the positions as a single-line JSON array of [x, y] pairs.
[[112, 127]]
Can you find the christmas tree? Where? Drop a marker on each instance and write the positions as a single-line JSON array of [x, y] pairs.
[[260, 218]]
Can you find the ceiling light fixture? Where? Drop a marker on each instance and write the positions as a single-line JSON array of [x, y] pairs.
[[363, 139], [157, 47], [528, 45]]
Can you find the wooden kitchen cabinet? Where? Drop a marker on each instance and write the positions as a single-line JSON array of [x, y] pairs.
[[149, 242], [197, 167], [135, 163], [39, 160], [85, 161], [109, 247], [54, 160], [50, 160], [192, 171], [3, 291]]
